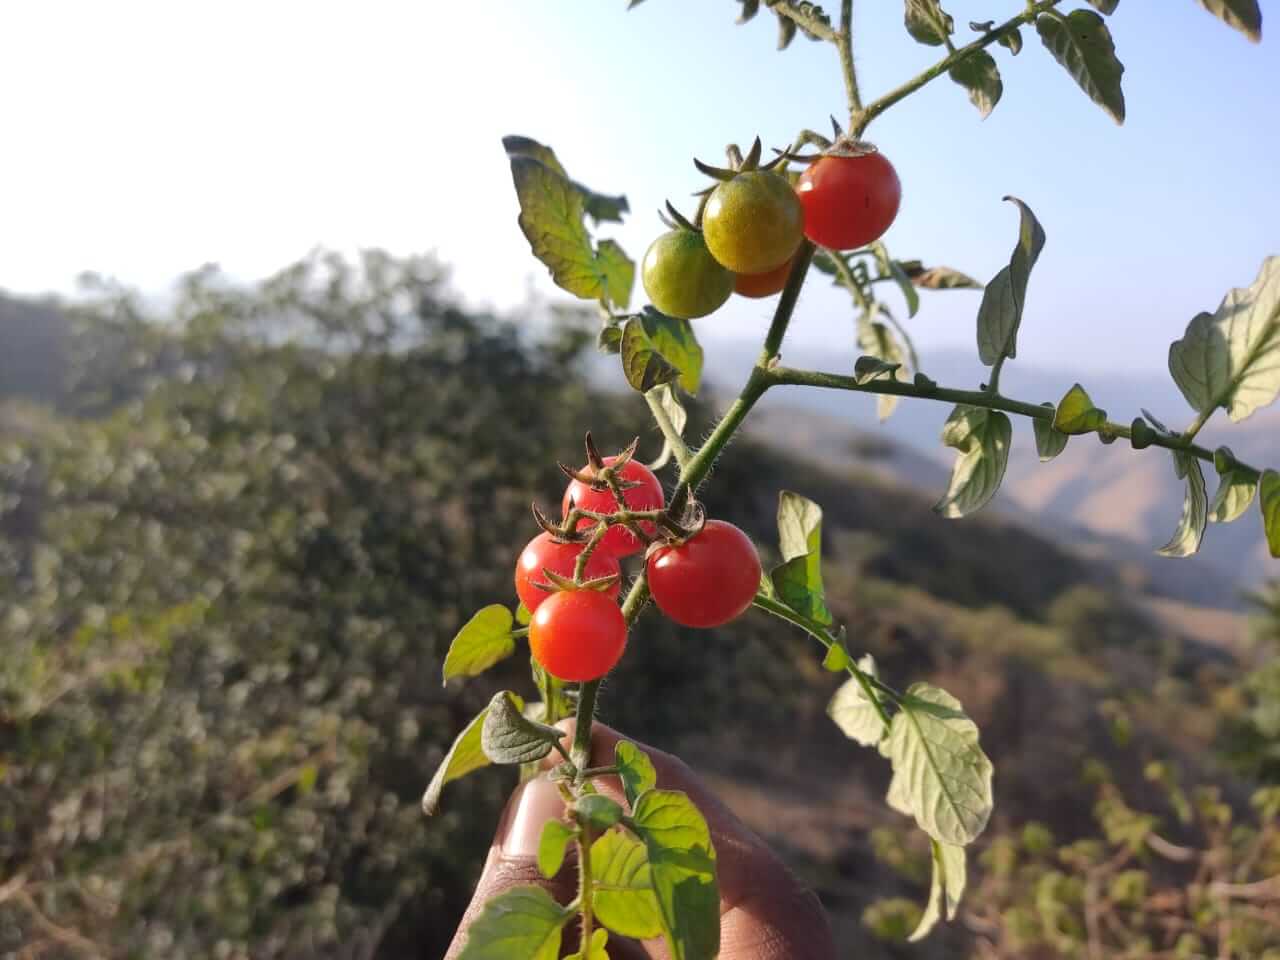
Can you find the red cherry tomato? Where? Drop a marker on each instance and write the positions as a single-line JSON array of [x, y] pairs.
[[544, 552], [765, 284], [708, 580], [578, 635], [619, 541], [849, 201]]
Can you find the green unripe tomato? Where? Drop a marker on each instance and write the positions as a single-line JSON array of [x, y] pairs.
[[753, 223], [681, 277]]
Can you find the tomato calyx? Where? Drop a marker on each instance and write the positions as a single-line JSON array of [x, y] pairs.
[[673, 219], [738, 164], [674, 532], [844, 146], [557, 582]]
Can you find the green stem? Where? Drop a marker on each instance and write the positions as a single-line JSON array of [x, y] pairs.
[[679, 448], [844, 44], [993, 387], [823, 636], [1190, 433], [785, 376], [585, 892], [879, 106], [787, 302]]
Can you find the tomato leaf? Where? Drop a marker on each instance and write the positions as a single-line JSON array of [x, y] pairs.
[[552, 846], [983, 437], [1269, 503], [1231, 358], [483, 641], [597, 811], [657, 349], [854, 712], [635, 770], [1076, 413], [927, 23], [937, 278], [798, 580], [1107, 7], [1243, 15], [1081, 42], [1195, 509], [682, 865], [678, 416], [463, 757], [1050, 441], [624, 900], [1000, 313], [598, 206], [945, 888], [1011, 41], [522, 922], [508, 736], [981, 77], [618, 271], [940, 774], [1236, 487]]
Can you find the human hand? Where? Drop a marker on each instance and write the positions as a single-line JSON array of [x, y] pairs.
[[765, 912]]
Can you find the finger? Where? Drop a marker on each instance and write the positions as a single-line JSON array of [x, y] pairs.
[[512, 862], [766, 912]]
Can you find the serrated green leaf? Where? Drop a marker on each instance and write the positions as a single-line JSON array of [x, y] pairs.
[[1049, 442], [945, 888], [1269, 503], [463, 757], [1243, 15], [596, 949], [983, 438], [940, 774], [508, 736], [654, 345], [853, 712], [552, 846], [600, 207], [624, 899], [1011, 41], [598, 811], [1107, 7], [619, 273], [682, 865], [1231, 358], [928, 23], [1195, 509], [981, 77], [1076, 413], [676, 413], [1081, 42], [877, 341], [1236, 488], [483, 641], [1003, 301], [516, 145], [798, 580], [522, 922], [635, 770]]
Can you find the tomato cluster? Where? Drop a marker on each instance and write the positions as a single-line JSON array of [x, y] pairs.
[[751, 224], [703, 574]]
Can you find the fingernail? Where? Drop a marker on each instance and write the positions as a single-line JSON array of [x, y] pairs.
[[535, 802]]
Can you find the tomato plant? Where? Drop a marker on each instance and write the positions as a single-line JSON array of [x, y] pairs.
[[849, 201], [577, 635], [645, 495], [708, 580], [703, 572], [544, 552], [682, 278], [753, 222]]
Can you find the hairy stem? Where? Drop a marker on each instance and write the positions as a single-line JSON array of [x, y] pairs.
[[780, 376], [879, 106], [844, 44], [585, 892], [786, 303], [823, 636], [784, 8]]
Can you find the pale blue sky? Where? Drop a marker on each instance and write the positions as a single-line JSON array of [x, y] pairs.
[[145, 138]]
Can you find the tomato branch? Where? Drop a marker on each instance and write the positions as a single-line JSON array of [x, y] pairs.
[[785, 376], [879, 106], [844, 44], [806, 21]]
